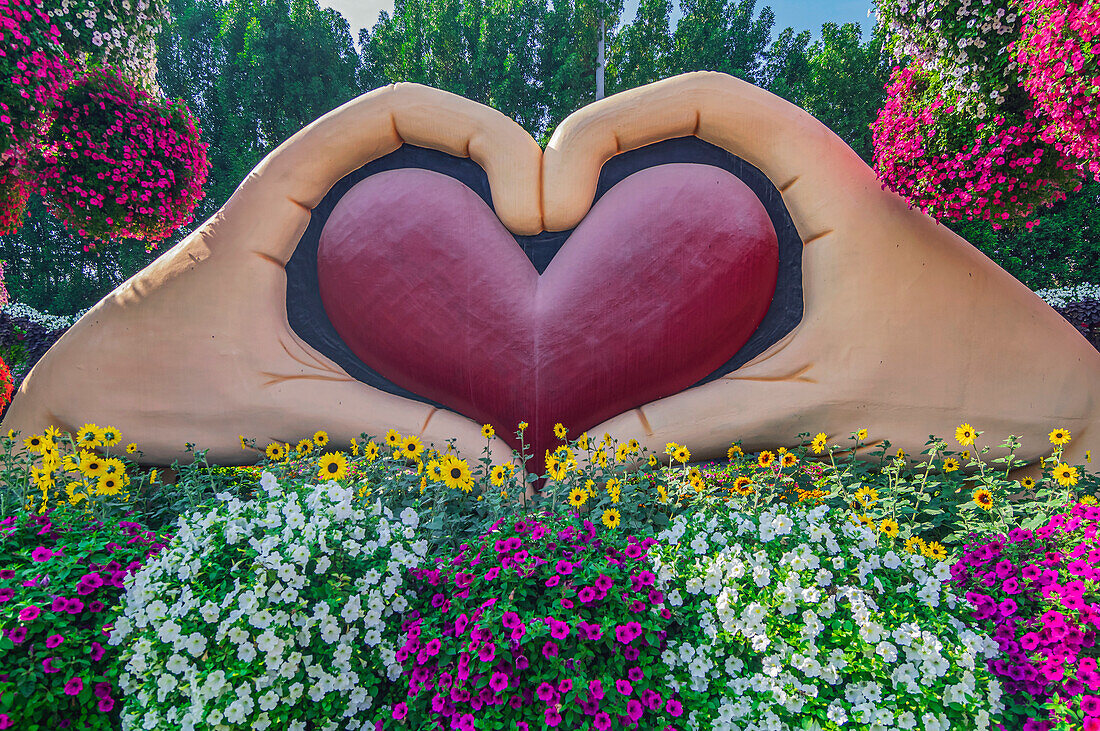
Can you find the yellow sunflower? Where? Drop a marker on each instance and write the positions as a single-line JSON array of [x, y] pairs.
[[370, 451], [487, 431], [866, 520], [662, 493], [320, 438], [1027, 483], [653, 461], [765, 458], [43, 479], [72, 490], [244, 444], [950, 464], [496, 475], [332, 466], [108, 485], [634, 445], [578, 497], [1066, 475], [818, 443], [131, 448], [614, 490], [889, 527], [681, 454], [275, 451], [522, 426], [560, 431], [109, 436], [304, 447], [354, 447], [88, 436], [914, 544], [393, 438], [411, 447], [456, 474], [743, 486], [901, 454], [92, 465], [601, 458], [435, 470], [861, 434], [611, 518], [1059, 437], [582, 442], [789, 460], [983, 498], [35, 443], [867, 496], [935, 550], [695, 479], [732, 452], [53, 433], [557, 469], [965, 435], [153, 476], [622, 452]]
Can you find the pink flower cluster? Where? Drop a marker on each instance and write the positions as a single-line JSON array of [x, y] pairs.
[[122, 163], [1030, 588], [1059, 55], [539, 625], [927, 150], [34, 73], [56, 628]]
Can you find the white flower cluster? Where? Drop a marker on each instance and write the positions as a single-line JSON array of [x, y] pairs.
[[50, 322], [962, 50], [796, 604], [1062, 296], [298, 586], [122, 33]]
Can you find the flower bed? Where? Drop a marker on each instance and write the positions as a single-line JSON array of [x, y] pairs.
[[389, 585]]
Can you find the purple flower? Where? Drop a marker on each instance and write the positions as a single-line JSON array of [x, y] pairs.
[[400, 711], [604, 582], [48, 666], [564, 568], [41, 554], [54, 640], [75, 606], [635, 674], [602, 721], [487, 652], [510, 620], [518, 632], [587, 594], [96, 606], [102, 690], [17, 635], [97, 652], [74, 686], [433, 646], [106, 704], [549, 650], [552, 717], [624, 687], [499, 682], [633, 550], [565, 686], [29, 613], [595, 689], [545, 692], [674, 708], [634, 709], [93, 580], [6, 594], [1090, 704], [559, 630], [522, 663], [6, 574], [553, 581]]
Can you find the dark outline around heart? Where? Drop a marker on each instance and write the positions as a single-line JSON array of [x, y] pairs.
[[308, 319]]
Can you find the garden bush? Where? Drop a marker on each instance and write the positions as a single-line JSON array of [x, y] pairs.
[[1034, 591], [61, 578]]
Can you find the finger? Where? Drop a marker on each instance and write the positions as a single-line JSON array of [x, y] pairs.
[[270, 209], [822, 180]]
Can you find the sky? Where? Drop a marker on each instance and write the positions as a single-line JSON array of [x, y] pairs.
[[798, 14]]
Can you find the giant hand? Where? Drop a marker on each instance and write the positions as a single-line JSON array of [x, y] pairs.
[[907, 330]]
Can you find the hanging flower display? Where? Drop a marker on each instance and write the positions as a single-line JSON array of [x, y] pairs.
[[122, 163], [1060, 65], [950, 165], [959, 137], [34, 72]]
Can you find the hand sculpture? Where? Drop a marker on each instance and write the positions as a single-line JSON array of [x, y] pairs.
[[907, 329]]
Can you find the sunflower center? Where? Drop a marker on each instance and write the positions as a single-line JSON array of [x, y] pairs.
[[455, 473]]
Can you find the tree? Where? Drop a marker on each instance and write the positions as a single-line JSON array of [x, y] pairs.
[[486, 52], [722, 35], [846, 83], [786, 69], [640, 52]]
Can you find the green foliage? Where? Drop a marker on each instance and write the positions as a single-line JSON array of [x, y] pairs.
[[722, 35], [1064, 249]]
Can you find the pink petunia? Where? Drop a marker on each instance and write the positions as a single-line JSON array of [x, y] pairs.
[[29, 613], [74, 686]]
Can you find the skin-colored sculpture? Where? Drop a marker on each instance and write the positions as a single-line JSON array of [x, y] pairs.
[[907, 329]]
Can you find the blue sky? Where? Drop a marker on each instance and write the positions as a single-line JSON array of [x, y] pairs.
[[799, 14]]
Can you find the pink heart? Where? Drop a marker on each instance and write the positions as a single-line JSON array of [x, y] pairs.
[[661, 284]]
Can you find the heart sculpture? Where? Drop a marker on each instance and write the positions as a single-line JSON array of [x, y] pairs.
[[662, 283]]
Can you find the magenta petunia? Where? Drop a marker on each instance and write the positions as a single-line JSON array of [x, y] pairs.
[[54, 640], [624, 687], [29, 613], [105, 704], [601, 721], [41, 554], [49, 667], [545, 692], [74, 686], [400, 711], [674, 708], [6, 594], [498, 682]]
